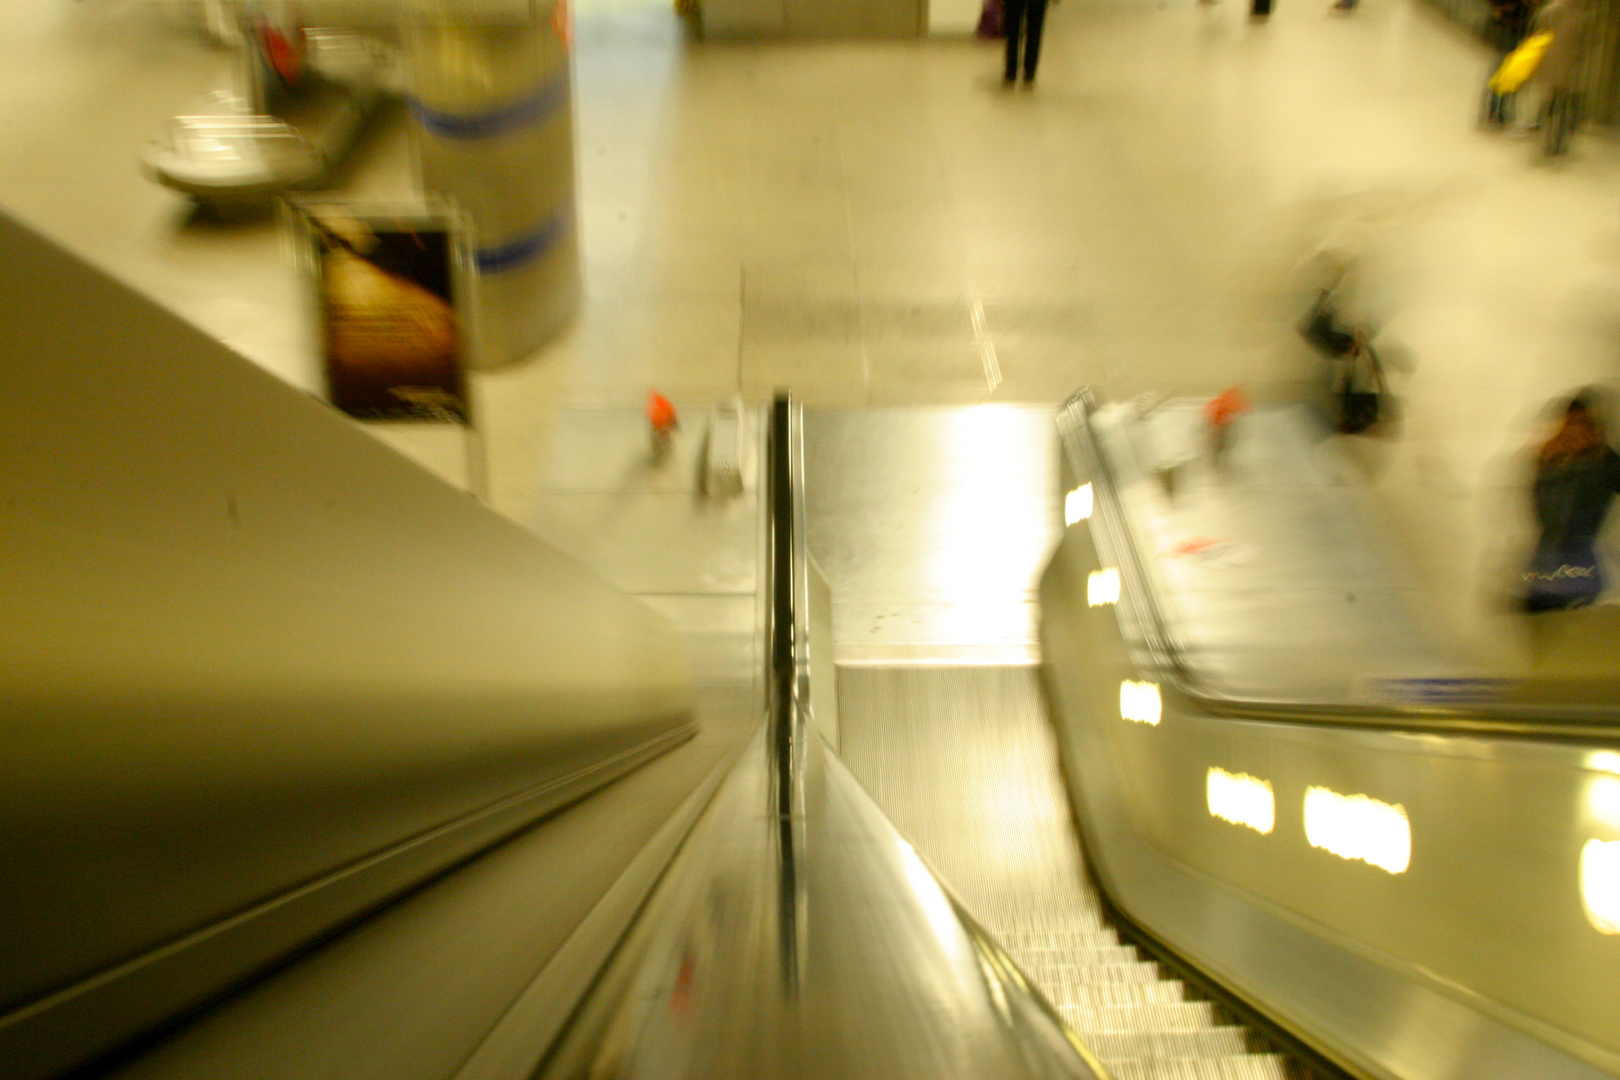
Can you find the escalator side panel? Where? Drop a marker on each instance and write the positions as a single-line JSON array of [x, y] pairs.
[[1476, 960], [249, 656]]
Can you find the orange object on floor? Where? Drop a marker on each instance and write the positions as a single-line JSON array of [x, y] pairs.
[[660, 413], [1226, 406]]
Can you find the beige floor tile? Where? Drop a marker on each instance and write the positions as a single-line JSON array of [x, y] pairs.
[[803, 367], [804, 278]]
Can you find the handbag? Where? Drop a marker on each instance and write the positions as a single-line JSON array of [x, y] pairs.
[[1520, 64], [1361, 400], [991, 20], [1321, 327], [1562, 574]]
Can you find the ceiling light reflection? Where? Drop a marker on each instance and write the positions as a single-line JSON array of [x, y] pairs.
[[1603, 799], [1139, 701], [1604, 761], [1102, 587], [1358, 827], [1241, 799], [1077, 504], [1600, 884]]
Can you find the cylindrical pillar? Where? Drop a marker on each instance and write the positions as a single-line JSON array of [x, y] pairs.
[[492, 100]]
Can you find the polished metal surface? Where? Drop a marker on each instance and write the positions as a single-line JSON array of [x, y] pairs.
[[878, 979], [1271, 566], [1466, 941], [1443, 694], [931, 526], [461, 976], [261, 673], [962, 759], [261, 137]]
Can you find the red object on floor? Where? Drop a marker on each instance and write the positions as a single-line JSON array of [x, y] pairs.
[[1222, 409], [660, 413]]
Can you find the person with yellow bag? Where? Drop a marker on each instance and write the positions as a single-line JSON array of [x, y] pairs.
[[1509, 22], [1521, 64]]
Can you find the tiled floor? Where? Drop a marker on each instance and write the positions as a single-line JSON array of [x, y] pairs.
[[882, 223]]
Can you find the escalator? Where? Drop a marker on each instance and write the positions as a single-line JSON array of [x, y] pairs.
[[963, 760], [1289, 785], [917, 515], [316, 768], [1286, 779]]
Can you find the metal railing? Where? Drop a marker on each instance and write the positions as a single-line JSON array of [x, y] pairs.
[[1167, 657]]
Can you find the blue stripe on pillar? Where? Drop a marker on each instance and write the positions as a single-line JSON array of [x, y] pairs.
[[519, 114], [530, 245]]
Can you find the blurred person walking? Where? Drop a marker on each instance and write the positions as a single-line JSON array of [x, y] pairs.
[[1577, 477], [1566, 21], [1022, 20], [1508, 25]]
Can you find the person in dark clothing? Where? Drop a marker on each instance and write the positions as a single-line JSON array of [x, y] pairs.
[[1509, 22], [1559, 72], [1577, 477], [1023, 19]]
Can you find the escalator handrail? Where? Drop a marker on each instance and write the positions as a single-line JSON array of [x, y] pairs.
[[723, 945], [1167, 659], [782, 646]]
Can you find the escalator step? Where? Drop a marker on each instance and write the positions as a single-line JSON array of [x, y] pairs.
[[1079, 912], [1096, 974], [1020, 941], [1233, 1067], [1065, 954], [1096, 996], [1168, 1045], [1180, 1016]]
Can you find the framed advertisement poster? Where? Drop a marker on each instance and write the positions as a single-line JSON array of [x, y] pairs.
[[390, 291]]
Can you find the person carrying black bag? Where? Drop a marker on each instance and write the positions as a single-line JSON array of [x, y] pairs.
[[1023, 19], [1358, 393]]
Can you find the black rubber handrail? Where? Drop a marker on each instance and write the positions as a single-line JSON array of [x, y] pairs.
[[780, 662], [1178, 678], [781, 701]]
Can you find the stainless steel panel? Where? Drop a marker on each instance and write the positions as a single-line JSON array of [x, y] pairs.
[[1272, 565], [839, 955], [512, 937], [249, 654], [931, 526]]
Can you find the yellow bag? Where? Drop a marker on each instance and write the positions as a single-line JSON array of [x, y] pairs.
[[1520, 64]]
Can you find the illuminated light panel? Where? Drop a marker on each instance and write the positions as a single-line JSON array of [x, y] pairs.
[[1600, 884], [1139, 701], [1358, 827], [1102, 587], [1077, 505], [1604, 761], [1241, 799], [1603, 799]]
